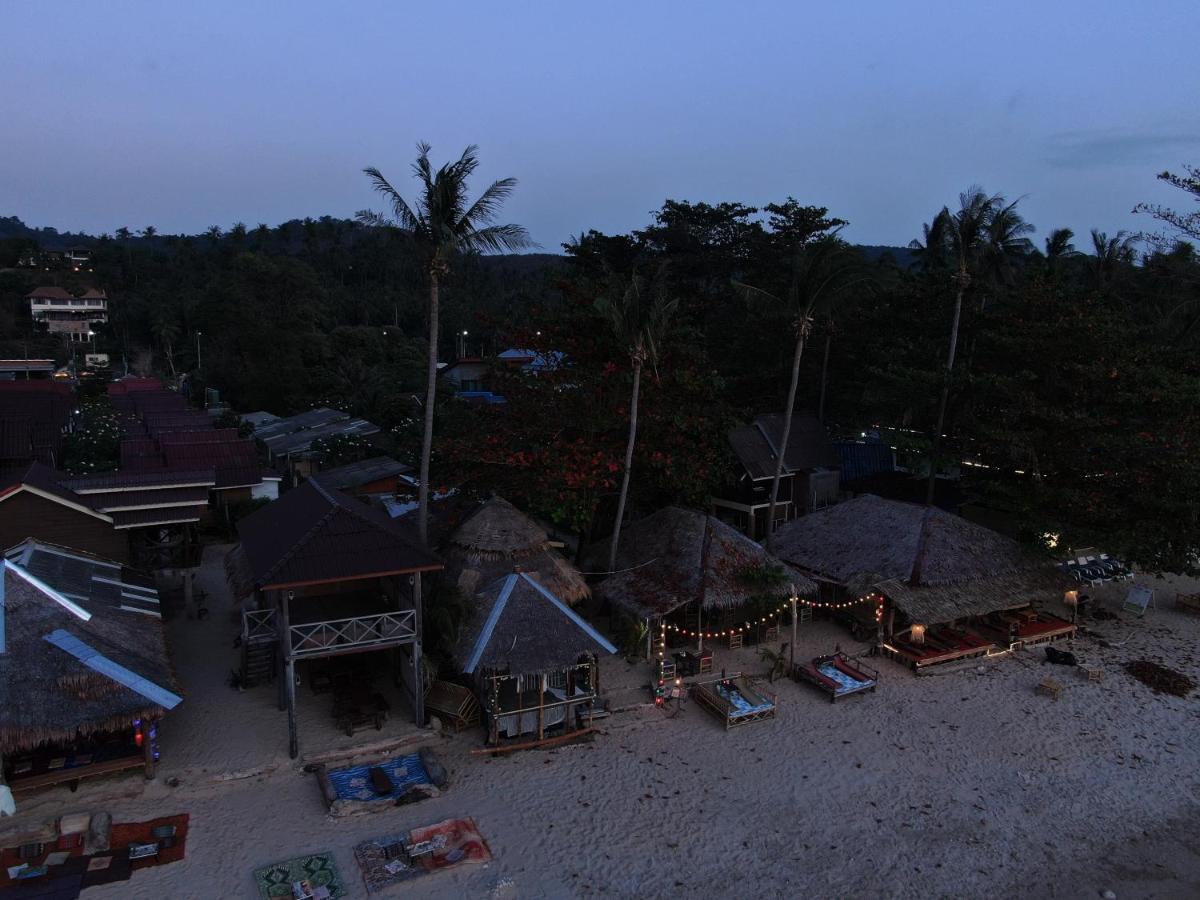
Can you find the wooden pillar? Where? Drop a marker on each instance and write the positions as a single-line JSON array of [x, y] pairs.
[[283, 645], [418, 689], [649, 638], [699, 627], [569, 709], [792, 659], [541, 682], [891, 622], [289, 674], [148, 725]]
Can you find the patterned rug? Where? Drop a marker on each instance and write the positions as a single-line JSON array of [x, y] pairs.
[[387, 861], [318, 870]]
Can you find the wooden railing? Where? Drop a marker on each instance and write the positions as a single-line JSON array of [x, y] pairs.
[[319, 638], [258, 626]]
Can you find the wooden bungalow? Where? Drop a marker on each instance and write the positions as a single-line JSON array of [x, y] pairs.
[[951, 588], [498, 538], [34, 502], [325, 575], [533, 660], [808, 481], [84, 672], [702, 573]]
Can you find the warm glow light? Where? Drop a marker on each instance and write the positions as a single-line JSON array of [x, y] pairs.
[[918, 634]]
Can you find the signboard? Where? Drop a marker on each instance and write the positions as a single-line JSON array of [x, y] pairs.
[[1138, 599]]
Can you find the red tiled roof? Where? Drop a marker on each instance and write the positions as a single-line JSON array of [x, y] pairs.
[[49, 292]]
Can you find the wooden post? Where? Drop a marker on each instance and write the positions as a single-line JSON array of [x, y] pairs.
[[418, 699], [649, 637], [541, 706], [699, 627], [891, 622], [289, 674], [148, 725], [792, 660], [281, 640]]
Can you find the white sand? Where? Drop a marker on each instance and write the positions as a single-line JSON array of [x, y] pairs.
[[952, 785]]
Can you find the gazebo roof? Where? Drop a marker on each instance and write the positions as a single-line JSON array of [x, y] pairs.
[[497, 538], [521, 627], [677, 556], [317, 535], [870, 543]]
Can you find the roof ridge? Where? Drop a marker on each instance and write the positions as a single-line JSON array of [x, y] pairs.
[[294, 549]]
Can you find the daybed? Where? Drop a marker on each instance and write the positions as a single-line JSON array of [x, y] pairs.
[[837, 675], [734, 701]]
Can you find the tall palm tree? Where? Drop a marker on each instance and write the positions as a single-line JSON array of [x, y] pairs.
[[822, 272], [1059, 247], [980, 239], [444, 224], [639, 314]]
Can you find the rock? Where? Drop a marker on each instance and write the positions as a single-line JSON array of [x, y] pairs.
[[435, 724], [1108, 895]]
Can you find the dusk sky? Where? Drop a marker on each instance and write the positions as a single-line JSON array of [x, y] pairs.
[[183, 116]]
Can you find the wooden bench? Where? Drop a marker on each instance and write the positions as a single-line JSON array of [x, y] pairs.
[[454, 703]]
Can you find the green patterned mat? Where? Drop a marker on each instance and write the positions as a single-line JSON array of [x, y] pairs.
[[319, 870]]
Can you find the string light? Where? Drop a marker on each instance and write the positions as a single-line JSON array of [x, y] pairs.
[[872, 597]]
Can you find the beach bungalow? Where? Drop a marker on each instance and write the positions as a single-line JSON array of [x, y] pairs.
[[84, 671], [324, 576], [699, 577], [950, 588], [532, 659], [809, 479], [369, 479]]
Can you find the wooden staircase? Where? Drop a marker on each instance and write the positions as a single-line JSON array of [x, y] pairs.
[[258, 663]]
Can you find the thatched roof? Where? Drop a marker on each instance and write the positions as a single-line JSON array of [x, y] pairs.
[[521, 627], [871, 543], [48, 694], [677, 556], [498, 538]]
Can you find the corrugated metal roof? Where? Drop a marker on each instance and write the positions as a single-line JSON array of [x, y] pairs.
[[169, 515], [362, 472], [862, 459], [756, 445], [86, 578], [297, 433]]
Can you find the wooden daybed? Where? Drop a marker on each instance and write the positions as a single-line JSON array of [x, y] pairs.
[[734, 701], [453, 702], [1029, 627], [837, 675], [942, 644]]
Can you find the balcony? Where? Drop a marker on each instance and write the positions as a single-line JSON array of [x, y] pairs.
[[335, 636]]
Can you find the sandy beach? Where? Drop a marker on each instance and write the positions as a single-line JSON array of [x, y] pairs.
[[963, 783]]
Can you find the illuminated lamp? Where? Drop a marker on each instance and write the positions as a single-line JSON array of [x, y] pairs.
[[918, 634]]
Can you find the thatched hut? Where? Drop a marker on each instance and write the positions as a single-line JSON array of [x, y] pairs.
[[532, 658], [683, 560], [953, 588], [498, 538], [83, 683]]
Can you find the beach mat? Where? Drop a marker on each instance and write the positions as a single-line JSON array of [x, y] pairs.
[[386, 861], [403, 772], [318, 869]]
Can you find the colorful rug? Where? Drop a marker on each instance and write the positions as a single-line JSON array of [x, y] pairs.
[[355, 783], [396, 858], [319, 870], [67, 865]]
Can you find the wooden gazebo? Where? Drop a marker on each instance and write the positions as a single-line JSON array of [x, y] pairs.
[[327, 575]]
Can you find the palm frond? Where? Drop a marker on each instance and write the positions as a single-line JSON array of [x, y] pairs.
[[484, 210], [496, 239], [403, 215]]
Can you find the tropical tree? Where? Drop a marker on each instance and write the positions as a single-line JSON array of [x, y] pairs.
[[1186, 223], [1113, 254], [639, 314], [166, 333], [149, 232], [444, 224], [823, 272], [979, 239], [1059, 248]]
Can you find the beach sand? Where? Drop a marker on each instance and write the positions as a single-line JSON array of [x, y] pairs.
[[963, 783]]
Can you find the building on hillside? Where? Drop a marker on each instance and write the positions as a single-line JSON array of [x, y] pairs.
[[84, 672], [321, 576], [809, 479], [471, 377], [66, 314], [949, 588]]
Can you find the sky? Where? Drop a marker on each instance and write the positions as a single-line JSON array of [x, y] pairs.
[[184, 116]]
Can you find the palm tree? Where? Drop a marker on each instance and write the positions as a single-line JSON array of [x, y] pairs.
[[822, 272], [980, 239], [149, 232], [1112, 255], [639, 315], [167, 332], [444, 224], [1059, 248]]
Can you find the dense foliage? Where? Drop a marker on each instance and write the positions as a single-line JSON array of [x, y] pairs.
[[1073, 396]]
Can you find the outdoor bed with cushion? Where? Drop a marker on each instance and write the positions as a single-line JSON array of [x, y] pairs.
[[735, 701], [837, 675]]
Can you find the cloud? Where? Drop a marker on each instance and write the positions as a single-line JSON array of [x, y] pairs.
[[1089, 149]]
